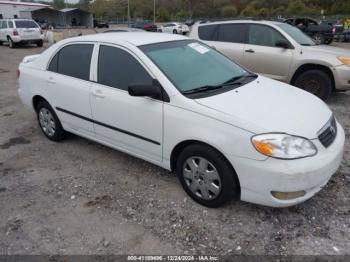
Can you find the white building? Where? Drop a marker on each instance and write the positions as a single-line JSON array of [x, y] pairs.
[[68, 17]]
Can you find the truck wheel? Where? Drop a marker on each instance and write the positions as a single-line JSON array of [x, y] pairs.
[[39, 43], [206, 176], [328, 41], [318, 38], [315, 82]]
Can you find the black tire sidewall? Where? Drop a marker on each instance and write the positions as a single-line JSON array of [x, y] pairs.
[[320, 76], [175, 32], [229, 180], [59, 132]]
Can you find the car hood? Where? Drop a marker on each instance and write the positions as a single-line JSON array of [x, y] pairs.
[[326, 49], [266, 105]]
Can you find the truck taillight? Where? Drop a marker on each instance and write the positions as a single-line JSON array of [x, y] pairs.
[[15, 32], [18, 73], [334, 30]]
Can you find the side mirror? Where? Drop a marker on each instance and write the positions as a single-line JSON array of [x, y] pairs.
[[143, 89], [282, 44]]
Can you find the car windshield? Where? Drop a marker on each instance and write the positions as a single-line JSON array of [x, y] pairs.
[[297, 35], [25, 24], [190, 65]]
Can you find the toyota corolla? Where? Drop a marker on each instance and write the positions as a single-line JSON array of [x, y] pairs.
[[175, 102]]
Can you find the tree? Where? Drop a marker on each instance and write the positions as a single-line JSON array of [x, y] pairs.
[[58, 4], [228, 11]]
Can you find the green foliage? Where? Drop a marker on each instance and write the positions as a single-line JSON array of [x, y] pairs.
[[58, 4], [228, 11], [184, 9]]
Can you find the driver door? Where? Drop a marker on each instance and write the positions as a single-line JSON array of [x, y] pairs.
[[131, 124], [262, 56]]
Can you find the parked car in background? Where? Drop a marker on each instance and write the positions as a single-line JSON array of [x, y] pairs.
[[189, 22], [100, 24], [20, 31], [225, 131], [321, 34], [280, 51], [345, 36], [338, 28], [145, 25], [175, 28]]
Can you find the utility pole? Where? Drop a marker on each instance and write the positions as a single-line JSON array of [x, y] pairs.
[[154, 11], [128, 13]]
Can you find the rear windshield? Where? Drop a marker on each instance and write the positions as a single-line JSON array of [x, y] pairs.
[[25, 24]]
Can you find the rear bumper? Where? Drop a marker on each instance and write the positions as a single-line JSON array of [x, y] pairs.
[[19, 39], [341, 77], [259, 178]]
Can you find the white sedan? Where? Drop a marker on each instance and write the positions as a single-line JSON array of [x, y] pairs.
[[175, 102], [175, 28]]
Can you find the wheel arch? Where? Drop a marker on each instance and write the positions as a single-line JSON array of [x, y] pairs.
[[310, 66], [36, 100], [175, 153]]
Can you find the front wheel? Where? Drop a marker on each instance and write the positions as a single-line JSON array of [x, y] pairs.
[[175, 32], [316, 82], [39, 43], [206, 176], [318, 39], [49, 123]]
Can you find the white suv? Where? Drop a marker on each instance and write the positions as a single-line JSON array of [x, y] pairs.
[[280, 51], [15, 31]]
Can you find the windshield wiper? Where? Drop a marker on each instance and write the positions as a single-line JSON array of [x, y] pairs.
[[202, 89], [237, 79]]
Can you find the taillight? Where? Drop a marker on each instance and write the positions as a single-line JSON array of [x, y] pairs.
[[334, 30], [15, 32], [18, 73]]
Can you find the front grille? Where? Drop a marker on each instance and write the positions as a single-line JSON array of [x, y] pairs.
[[328, 133]]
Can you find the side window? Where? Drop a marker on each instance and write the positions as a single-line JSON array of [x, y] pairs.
[[4, 24], [73, 60], [10, 24], [207, 32], [263, 35], [290, 21], [233, 33], [117, 68], [311, 22]]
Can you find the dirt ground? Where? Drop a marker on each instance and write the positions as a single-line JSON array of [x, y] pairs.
[[79, 197]]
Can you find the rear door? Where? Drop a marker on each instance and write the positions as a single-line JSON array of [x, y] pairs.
[[27, 29], [68, 85], [262, 56]]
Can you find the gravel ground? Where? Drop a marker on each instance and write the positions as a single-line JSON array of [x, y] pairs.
[[79, 197]]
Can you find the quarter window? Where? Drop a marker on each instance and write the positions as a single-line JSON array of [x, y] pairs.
[[117, 68], [207, 32], [73, 60], [233, 33], [263, 35]]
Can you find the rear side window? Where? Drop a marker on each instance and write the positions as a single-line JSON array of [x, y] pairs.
[[117, 68], [73, 60], [263, 35], [10, 24], [207, 32], [233, 33], [25, 24]]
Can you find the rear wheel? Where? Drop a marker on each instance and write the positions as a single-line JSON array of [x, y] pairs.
[[328, 41], [316, 82], [11, 43], [49, 123], [175, 31], [206, 176], [318, 38]]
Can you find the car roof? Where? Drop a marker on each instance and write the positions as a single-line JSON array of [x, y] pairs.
[[264, 22], [134, 38]]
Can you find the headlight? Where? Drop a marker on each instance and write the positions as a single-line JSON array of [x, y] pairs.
[[345, 60], [284, 146]]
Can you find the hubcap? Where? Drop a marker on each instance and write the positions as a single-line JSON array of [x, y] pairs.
[[202, 178], [47, 122]]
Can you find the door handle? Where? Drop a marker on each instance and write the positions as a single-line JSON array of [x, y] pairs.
[[250, 51], [50, 80], [98, 93]]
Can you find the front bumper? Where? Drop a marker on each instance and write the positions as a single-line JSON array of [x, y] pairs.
[[259, 178], [341, 77]]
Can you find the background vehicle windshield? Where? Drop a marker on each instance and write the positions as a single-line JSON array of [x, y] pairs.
[[25, 24], [297, 35], [190, 65]]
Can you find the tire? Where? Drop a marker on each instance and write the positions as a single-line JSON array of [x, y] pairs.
[[215, 186], [40, 43], [11, 43], [316, 82], [0, 42], [318, 38], [175, 32], [49, 123], [328, 41]]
